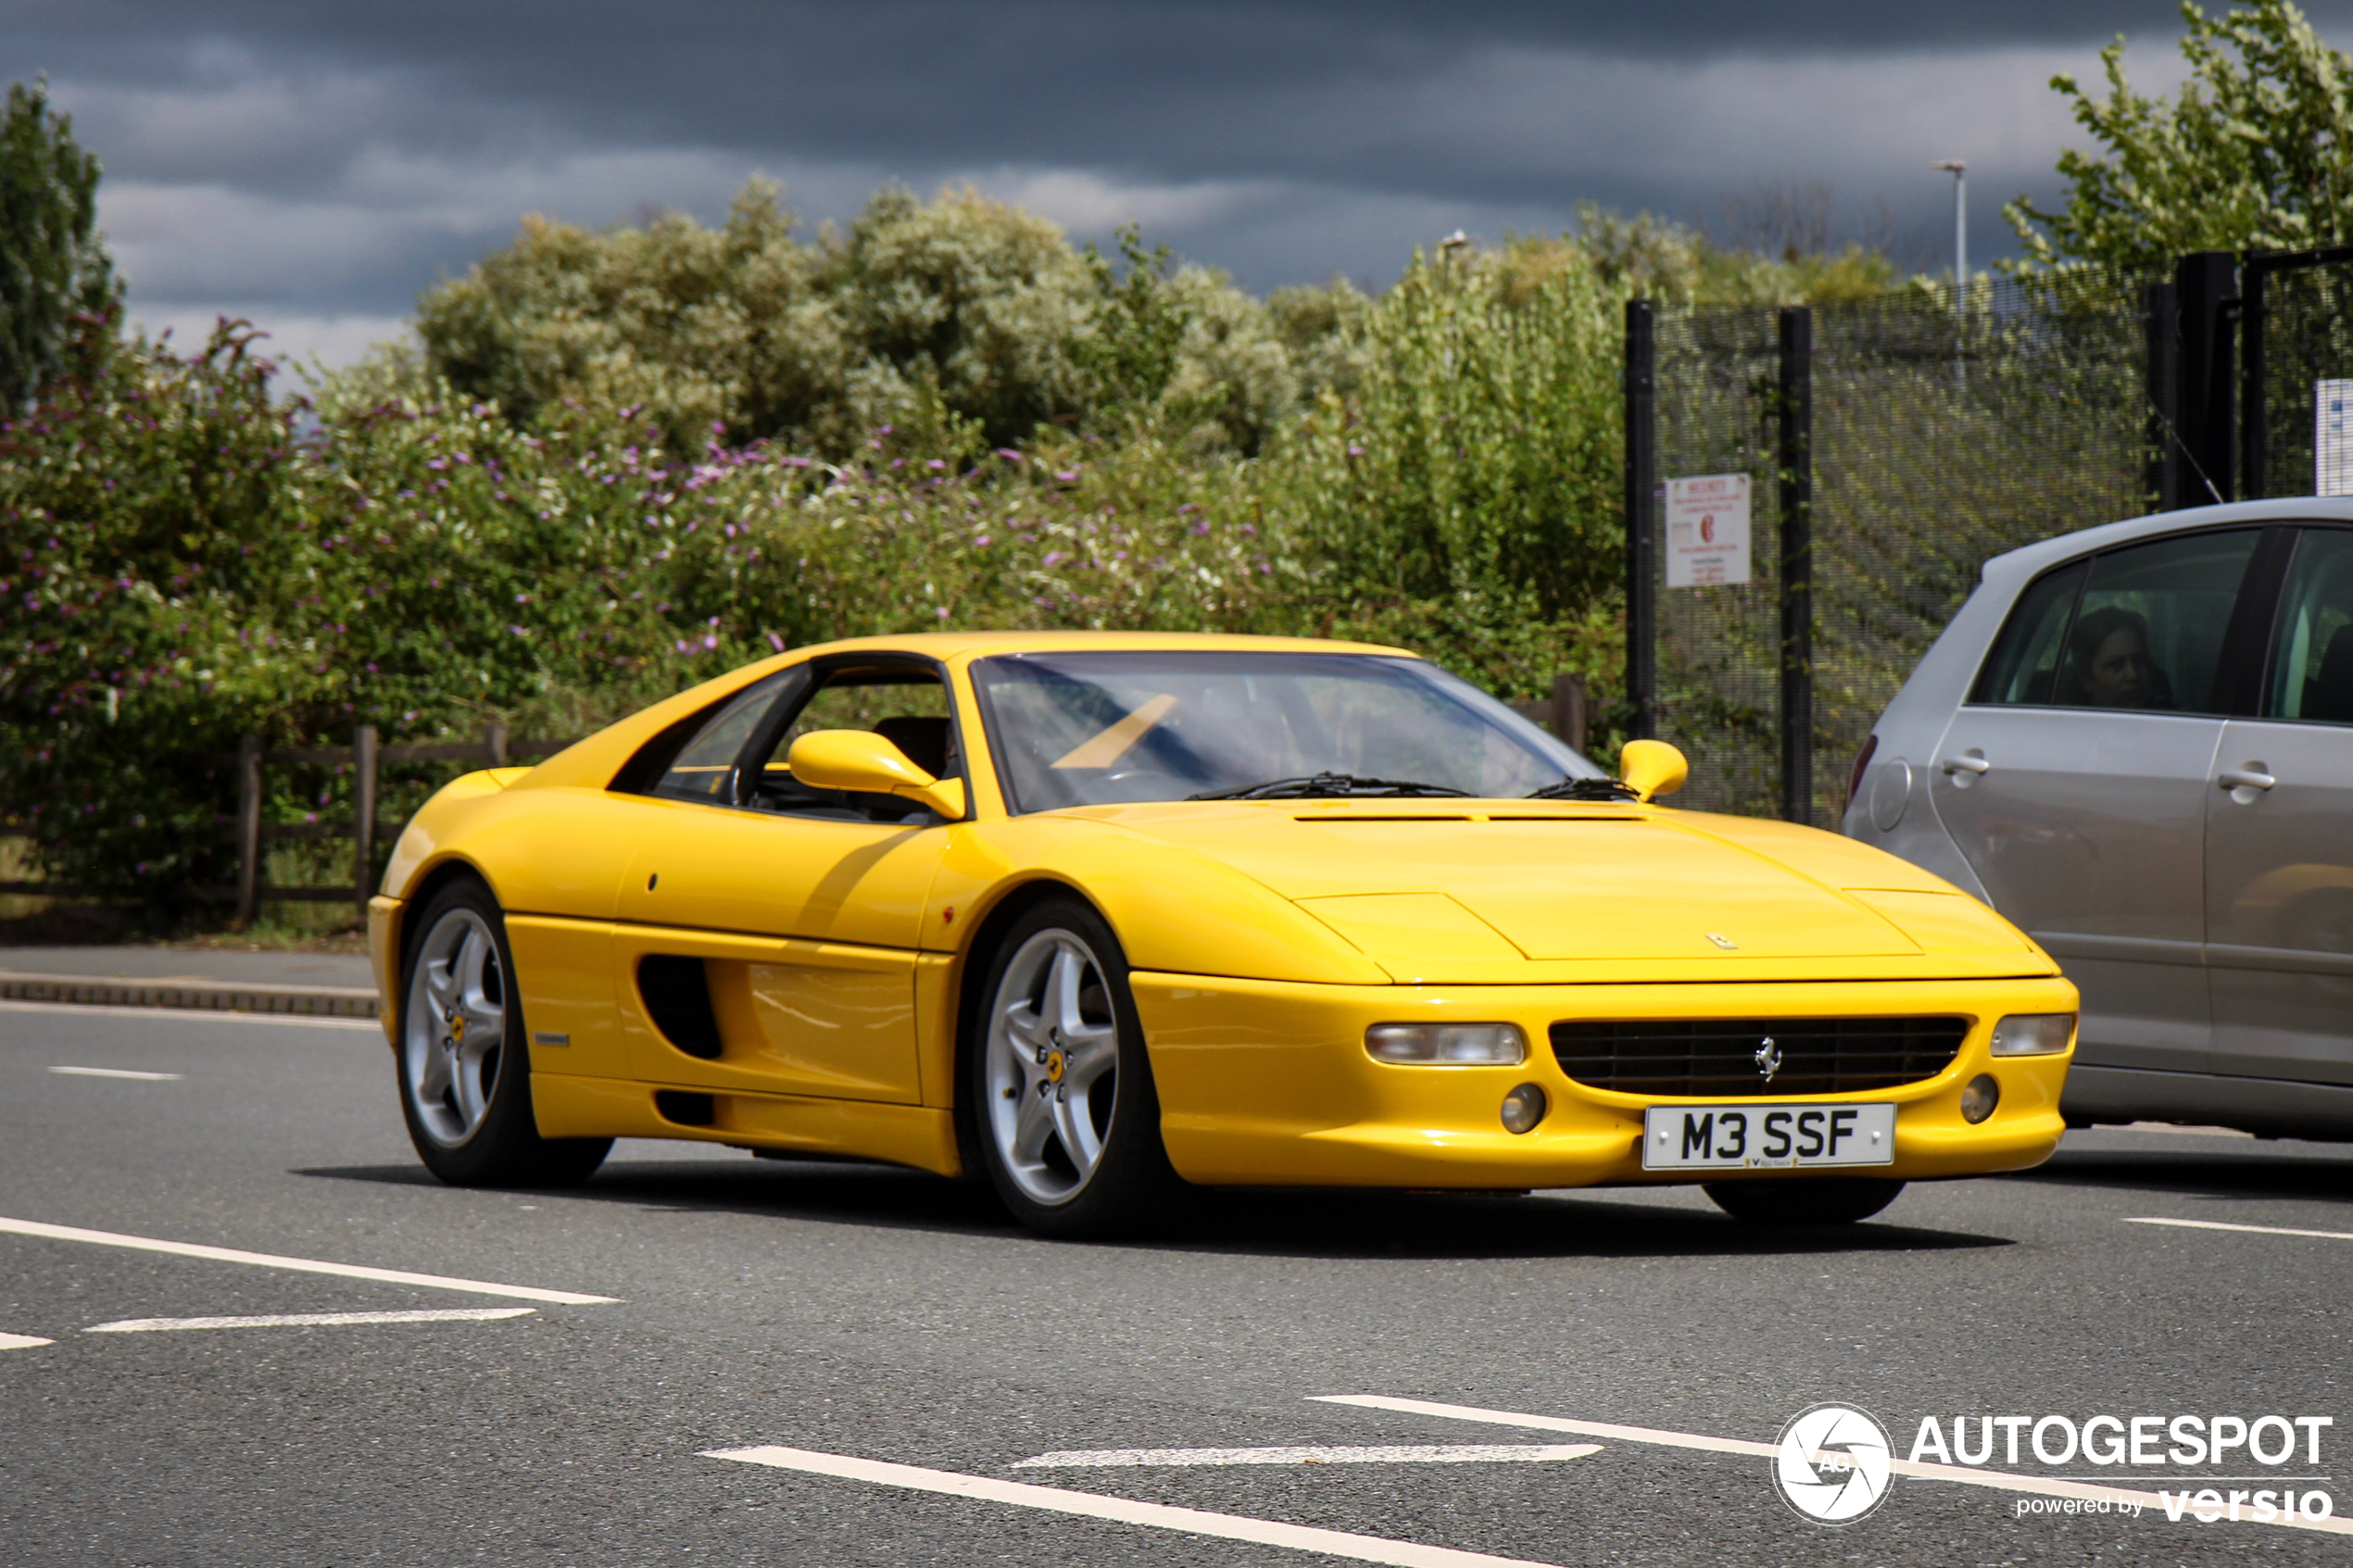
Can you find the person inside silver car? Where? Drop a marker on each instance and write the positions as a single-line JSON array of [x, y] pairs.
[[2109, 663]]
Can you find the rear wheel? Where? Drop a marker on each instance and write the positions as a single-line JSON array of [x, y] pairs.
[[1804, 1200], [465, 1071], [1064, 1111]]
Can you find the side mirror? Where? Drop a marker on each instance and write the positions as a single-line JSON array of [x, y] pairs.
[[862, 762], [1652, 768]]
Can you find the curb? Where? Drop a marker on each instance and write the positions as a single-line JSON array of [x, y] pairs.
[[196, 996]]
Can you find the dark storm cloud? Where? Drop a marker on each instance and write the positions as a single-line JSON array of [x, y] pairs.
[[333, 155], [1212, 88]]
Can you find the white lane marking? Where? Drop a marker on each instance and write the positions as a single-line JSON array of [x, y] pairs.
[[195, 1015], [21, 1341], [1409, 1453], [300, 1265], [306, 1320], [118, 1072], [1090, 1505], [2258, 1230], [2169, 1128], [1996, 1479]]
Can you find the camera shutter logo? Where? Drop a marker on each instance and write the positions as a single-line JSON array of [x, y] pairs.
[[1832, 1463]]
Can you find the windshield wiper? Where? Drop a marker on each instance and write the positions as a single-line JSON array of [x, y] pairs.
[[1587, 789], [1321, 786]]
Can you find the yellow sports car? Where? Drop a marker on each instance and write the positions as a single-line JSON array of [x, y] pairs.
[[1099, 915]]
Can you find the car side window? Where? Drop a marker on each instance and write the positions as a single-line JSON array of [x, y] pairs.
[[704, 770], [2140, 628], [2311, 668], [2024, 666], [2149, 630], [907, 707]]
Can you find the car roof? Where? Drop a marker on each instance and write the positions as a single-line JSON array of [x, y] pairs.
[[949, 645], [2031, 558]]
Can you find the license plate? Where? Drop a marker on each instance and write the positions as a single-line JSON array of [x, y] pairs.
[[1764, 1137]]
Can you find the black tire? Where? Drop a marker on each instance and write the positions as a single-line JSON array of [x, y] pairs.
[[469, 1110], [1019, 1076], [1803, 1200]]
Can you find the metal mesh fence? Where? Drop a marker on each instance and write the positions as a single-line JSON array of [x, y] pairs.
[[1938, 442], [1719, 647], [2304, 420]]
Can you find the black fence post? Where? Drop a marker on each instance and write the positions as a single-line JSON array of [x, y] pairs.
[[1641, 486], [2252, 429], [2161, 379], [1796, 410], [2205, 288]]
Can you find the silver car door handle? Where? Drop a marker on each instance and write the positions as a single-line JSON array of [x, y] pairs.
[[1967, 764], [2242, 778]]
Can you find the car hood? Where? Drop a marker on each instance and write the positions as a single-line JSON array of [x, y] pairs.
[[1497, 891]]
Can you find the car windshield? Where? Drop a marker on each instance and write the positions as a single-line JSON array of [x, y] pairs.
[[1087, 729]]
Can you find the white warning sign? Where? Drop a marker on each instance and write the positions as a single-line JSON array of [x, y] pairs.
[[1707, 531]]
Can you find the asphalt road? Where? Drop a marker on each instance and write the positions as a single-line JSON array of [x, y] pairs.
[[878, 1315]]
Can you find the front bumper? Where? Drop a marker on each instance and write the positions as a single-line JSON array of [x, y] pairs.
[[1268, 1082]]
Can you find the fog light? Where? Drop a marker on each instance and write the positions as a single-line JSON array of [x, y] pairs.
[[1980, 1097], [2033, 1034], [1523, 1108], [1448, 1045]]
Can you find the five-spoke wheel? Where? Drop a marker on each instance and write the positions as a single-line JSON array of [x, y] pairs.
[[454, 1027], [1064, 1108], [465, 1073], [1053, 1066]]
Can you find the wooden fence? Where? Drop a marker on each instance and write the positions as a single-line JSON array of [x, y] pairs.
[[366, 757]]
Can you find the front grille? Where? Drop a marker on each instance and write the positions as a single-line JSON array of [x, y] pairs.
[[1717, 1058]]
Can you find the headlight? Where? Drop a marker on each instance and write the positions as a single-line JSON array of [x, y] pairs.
[[1447, 1045], [2033, 1033]]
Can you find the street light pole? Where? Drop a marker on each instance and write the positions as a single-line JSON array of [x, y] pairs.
[[1959, 169]]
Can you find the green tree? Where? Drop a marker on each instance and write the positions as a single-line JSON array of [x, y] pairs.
[[53, 261], [2255, 152]]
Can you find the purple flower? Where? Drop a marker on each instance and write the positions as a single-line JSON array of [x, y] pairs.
[[1053, 559], [1068, 477], [1009, 454]]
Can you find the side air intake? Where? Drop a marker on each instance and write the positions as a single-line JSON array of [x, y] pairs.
[[677, 996]]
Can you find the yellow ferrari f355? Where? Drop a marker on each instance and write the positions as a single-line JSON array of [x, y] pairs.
[[1098, 916]]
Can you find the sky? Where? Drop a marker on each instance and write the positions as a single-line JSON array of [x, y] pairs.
[[313, 165]]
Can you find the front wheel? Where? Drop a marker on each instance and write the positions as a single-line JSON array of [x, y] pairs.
[[1064, 1111], [465, 1073], [1804, 1200]]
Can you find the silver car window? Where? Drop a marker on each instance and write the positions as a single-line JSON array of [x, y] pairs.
[[2312, 641], [2024, 665], [2148, 629]]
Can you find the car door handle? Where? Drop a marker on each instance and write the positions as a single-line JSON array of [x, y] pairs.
[[1967, 764], [2243, 778]]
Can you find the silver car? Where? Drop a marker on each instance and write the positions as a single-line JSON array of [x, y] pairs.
[[2136, 741]]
